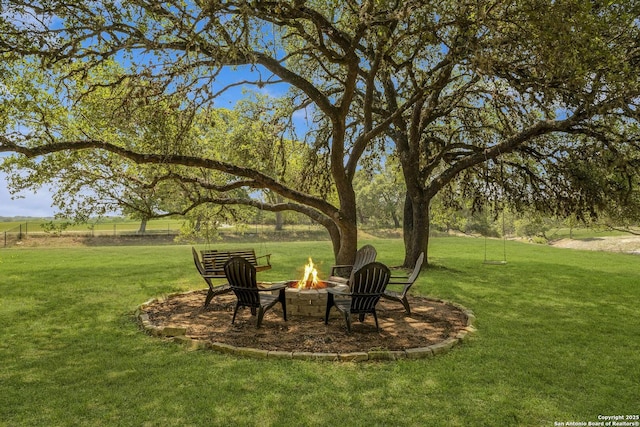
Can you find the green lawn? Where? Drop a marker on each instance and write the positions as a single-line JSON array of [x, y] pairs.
[[557, 341]]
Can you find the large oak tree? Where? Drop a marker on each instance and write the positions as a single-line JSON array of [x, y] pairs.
[[456, 88], [515, 99]]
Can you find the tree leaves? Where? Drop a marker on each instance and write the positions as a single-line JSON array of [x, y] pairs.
[[449, 85]]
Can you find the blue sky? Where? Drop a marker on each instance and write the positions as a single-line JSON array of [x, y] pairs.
[[38, 204], [33, 204]]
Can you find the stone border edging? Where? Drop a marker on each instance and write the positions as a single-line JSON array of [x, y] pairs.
[[178, 335]]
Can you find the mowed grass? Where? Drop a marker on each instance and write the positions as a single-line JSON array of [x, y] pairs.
[[557, 341]]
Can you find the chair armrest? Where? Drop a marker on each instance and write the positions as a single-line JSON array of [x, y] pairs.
[[339, 292], [405, 282], [268, 286], [267, 256], [405, 286], [214, 276], [346, 270]]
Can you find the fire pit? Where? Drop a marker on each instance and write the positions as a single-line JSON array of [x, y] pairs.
[[308, 297]]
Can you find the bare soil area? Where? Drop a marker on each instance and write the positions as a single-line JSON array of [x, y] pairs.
[[430, 322], [626, 244], [51, 241]]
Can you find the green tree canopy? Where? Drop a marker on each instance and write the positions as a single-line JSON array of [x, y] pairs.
[[450, 86]]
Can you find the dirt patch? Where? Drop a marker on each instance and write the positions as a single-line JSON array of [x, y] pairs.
[[626, 244], [52, 241], [430, 322]]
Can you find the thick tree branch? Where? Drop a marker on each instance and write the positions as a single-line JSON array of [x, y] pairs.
[[262, 180]]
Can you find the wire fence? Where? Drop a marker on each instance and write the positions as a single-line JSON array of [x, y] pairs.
[[170, 230], [12, 236]]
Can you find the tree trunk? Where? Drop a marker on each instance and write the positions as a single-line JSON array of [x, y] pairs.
[[396, 221], [143, 226], [361, 218], [344, 240], [415, 230], [279, 215], [279, 221], [348, 244]]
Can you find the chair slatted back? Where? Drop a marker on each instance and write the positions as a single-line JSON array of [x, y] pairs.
[[416, 269], [368, 284], [241, 275], [365, 255], [196, 261]]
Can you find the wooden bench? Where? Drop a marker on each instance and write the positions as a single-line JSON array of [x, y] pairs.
[[213, 260]]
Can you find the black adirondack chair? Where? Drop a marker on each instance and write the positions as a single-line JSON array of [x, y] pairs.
[[406, 283], [367, 285], [241, 275], [213, 289], [342, 274]]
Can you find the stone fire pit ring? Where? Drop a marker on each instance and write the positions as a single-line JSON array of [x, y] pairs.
[[179, 332], [309, 302]]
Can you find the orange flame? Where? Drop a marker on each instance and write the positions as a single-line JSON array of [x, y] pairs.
[[310, 279]]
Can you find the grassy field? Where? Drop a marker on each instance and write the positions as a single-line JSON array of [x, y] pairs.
[[38, 225], [108, 225], [32, 232], [557, 342]]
